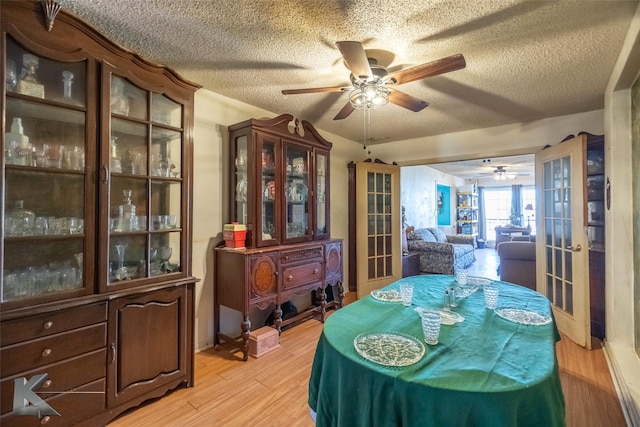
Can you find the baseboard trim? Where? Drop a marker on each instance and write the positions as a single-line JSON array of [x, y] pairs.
[[629, 408]]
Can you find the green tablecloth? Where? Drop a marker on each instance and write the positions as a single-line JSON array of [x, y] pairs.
[[485, 371]]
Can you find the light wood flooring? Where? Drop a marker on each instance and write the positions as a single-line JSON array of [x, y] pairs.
[[271, 391]]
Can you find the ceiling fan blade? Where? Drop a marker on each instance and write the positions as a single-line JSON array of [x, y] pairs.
[[407, 101], [356, 58], [315, 90], [345, 112], [430, 69]]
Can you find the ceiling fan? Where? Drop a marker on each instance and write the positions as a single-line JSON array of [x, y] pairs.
[[371, 84]]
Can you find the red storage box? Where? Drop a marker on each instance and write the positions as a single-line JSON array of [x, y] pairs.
[[235, 235]]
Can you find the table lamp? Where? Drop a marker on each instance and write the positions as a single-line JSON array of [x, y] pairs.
[[529, 207]]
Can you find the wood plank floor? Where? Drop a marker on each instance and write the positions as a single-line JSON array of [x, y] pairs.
[[272, 390]]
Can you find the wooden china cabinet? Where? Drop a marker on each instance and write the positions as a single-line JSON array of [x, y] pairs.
[[96, 285], [279, 188]]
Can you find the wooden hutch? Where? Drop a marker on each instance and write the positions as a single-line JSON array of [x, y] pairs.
[[279, 189], [97, 293]]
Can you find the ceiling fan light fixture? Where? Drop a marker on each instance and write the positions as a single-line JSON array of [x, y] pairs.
[[369, 95], [499, 175]]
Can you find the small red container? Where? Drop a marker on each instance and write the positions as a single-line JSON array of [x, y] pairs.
[[235, 235]]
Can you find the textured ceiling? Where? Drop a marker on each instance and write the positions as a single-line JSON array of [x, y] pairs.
[[526, 60], [483, 169]]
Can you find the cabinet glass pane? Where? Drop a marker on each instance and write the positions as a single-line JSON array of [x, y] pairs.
[[44, 136], [127, 99], [32, 75], [241, 184], [127, 257], [35, 267], [268, 192], [297, 193], [165, 253], [128, 205], [44, 232], [166, 150], [128, 147], [321, 197], [166, 202], [165, 111]]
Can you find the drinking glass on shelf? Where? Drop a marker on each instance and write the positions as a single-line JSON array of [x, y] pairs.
[[11, 79], [41, 226]]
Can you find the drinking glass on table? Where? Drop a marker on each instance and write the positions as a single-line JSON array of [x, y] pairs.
[[430, 326], [461, 276], [491, 292], [406, 293]]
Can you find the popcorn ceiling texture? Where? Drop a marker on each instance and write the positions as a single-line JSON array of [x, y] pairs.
[[526, 60]]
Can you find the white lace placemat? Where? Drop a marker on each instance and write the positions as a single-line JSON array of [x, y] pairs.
[[389, 349], [523, 317], [386, 296]]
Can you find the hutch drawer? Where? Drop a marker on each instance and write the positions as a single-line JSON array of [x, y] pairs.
[[28, 328], [302, 274], [295, 255], [72, 407], [36, 353], [61, 376]]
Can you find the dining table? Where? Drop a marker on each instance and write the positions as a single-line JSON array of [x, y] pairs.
[[492, 368]]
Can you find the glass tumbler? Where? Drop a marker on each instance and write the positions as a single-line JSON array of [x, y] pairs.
[[406, 293]]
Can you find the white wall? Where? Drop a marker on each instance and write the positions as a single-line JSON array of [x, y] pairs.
[[517, 138], [213, 113], [418, 195], [619, 290]]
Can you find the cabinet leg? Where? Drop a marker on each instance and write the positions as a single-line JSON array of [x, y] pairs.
[[246, 331], [340, 292], [277, 318], [323, 304]]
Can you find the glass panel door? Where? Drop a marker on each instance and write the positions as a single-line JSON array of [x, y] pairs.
[[145, 184], [296, 193], [378, 226], [322, 190], [561, 252], [44, 238], [270, 191]]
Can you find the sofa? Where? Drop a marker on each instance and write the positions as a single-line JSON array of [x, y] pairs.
[[439, 253], [518, 261]]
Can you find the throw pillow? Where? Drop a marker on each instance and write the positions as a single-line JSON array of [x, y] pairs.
[[438, 234], [426, 235]]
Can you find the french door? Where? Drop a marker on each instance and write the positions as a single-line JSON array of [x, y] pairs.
[[562, 246], [379, 257]]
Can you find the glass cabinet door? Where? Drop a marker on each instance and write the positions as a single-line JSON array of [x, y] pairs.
[[322, 191], [45, 221], [270, 192], [296, 197], [240, 181], [145, 184]]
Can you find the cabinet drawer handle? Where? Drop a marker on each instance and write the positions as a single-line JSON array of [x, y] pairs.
[[48, 324], [45, 419], [290, 278], [47, 384], [113, 353], [315, 271], [46, 352]]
